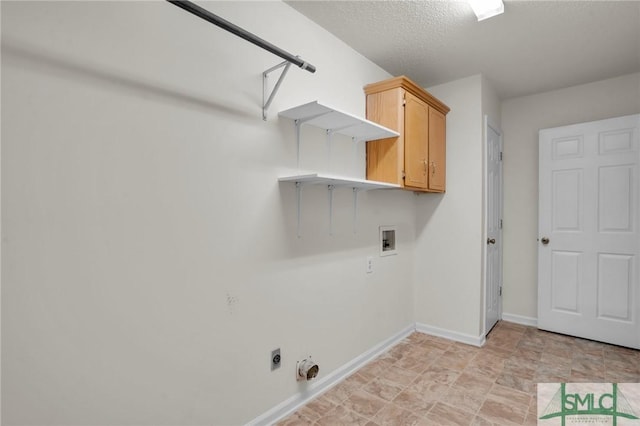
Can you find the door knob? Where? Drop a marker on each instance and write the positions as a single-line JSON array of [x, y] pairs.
[[544, 240], [491, 240]]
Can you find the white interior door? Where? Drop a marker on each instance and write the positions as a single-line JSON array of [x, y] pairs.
[[589, 243], [493, 225]]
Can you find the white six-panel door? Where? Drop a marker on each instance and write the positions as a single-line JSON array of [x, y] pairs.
[[589, 239]]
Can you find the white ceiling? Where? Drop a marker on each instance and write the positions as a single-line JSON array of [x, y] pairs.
[[533, 47]]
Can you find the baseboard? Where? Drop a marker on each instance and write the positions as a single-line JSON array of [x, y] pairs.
[[451, 335], [323, 384], [519, 319]]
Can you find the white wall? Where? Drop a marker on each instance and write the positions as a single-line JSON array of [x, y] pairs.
[[448, 280], [491, 104], [150, 258], [522, 118]]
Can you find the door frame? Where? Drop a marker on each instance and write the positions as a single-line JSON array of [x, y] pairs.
[[488, 123]]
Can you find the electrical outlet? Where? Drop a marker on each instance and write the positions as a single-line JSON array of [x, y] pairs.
[[369, 265], [276, 359]]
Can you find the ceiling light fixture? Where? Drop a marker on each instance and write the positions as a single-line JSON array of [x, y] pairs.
[[485, 9]]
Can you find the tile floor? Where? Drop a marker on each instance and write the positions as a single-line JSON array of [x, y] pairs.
[[426, 380]]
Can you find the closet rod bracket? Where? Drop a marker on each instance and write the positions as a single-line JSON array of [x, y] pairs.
[[267, 97]]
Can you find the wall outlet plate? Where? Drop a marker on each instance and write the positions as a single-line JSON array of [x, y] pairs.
[[369, 265]]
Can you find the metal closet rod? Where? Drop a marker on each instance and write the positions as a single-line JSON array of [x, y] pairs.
[[240, 32]]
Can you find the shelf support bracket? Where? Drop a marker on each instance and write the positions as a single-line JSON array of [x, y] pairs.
[[330, 188], [267, 98], [329, 142], [355, 210], [298, 195]]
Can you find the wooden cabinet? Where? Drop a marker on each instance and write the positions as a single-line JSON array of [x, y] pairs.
[[416, 159]]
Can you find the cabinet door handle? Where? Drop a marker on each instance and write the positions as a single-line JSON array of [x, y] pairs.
[[433, 168]]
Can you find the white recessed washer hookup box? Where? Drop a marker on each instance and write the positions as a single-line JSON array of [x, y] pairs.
[[388, 241]]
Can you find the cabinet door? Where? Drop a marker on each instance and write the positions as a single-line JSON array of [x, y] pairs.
[[416, 140], [437, 150]]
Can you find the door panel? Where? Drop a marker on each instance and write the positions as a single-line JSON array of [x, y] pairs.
[[565, 279], [588, 281], [615, 205], [615, 286], [567, 200], [566, 148], [416, 128]]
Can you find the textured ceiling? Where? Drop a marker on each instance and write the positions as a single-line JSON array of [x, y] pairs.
[[533, 47]]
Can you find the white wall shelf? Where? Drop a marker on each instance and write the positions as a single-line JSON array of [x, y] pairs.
[[334, 121], [325, 179]]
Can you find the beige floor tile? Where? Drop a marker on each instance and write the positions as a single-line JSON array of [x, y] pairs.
[[395, 354], [622, 366], [393, 415], [364, 404], [473, 383], [399, 375], [341, 416], [505, 406], [480, 421], [376, 367], [416, 337], [502, 413], [454, 359], [416, 364], [514, 381], [416, 402], [384, 389], [343, 390], [613, 376], [528, 354], [436, 342], [530, 346], [502, 393], [463, 399], [621, 354], [464, 348], [445, 415], [585, 369], [521, 367], [580, 377], [357, 380], [487, 365], [562, 369], [506, 343], [317, 408], [548, 358], [436, 374]]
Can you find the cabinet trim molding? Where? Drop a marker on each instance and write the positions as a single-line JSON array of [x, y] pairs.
[[411, 87]]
